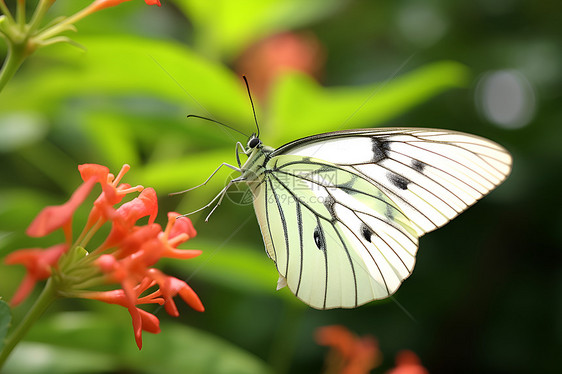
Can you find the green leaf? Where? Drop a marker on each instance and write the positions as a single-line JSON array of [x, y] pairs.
[[112, 137], [225, 27], [300, 107], [82, 341], [127, 65], [5, 321], [185, 172]]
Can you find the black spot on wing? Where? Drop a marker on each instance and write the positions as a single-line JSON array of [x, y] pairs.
[[379, 148], [319, 238], [398, 181], [366, 233], [418, 165]]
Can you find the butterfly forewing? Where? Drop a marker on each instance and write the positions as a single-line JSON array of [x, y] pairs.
[[341, 213], [431, 175]]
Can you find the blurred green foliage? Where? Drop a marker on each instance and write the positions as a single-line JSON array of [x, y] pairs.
[[485, 294], [86, 342], [5, 321]]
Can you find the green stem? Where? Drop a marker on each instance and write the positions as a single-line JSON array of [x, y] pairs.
[[20, 14], [6, 12], [48, 295], [65, 24], [14, 59], [38, 15]]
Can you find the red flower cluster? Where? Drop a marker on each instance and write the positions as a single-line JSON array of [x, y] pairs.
[[125, 257], [350, 354]]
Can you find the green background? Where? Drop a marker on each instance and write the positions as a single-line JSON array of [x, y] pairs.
[[485, 293]]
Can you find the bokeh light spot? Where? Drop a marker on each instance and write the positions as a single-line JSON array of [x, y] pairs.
[[506, 98], [422, 24], [19, 129]]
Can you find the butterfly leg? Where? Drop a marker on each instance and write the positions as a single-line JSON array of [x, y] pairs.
[[221, 194], [238, 146], [208, 179]]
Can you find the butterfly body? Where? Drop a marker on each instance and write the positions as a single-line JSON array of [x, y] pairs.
[[341, 213]]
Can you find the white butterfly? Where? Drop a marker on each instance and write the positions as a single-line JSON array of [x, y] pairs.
[[341, 213]]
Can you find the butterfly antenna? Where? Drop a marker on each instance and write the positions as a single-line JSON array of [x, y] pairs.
[[252, 102], [408, 314], [217, 122]]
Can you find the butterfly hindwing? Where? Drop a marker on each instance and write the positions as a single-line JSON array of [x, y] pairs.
[[336, 238]]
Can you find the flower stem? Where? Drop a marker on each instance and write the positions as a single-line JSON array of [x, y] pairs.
[[6, 12], [14, 59], [38, 15], [65, 24], [20, 13], [48, 295]]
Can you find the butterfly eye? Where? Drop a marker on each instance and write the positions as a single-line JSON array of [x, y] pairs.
[[254, 142]]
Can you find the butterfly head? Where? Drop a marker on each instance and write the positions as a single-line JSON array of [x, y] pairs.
[[254, 142]]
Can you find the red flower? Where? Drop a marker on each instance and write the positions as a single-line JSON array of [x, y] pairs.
[[38, 263], [102, 4], [407, 362], [271, 57], [142, 320], [52, 218], [125, 258], [131, 263], [112, 194], [170, 287], [349, 354], [178, 230]]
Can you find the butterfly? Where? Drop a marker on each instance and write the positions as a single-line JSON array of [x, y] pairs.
[[341, 213]]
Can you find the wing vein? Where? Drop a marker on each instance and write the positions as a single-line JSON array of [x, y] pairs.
[[325, 261], [284, 225], [299, 224], [388, 191], [441, 170], [344, 187], [268, 225], [350, 262], [425, 189], [385, 242], [366, 249], [459, 163]]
